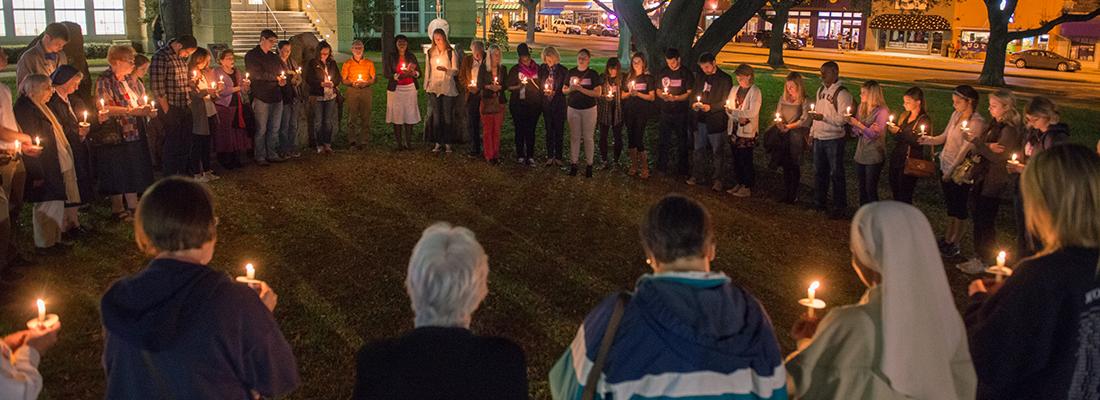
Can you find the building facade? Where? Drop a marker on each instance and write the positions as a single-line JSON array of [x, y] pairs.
[[820, 23]]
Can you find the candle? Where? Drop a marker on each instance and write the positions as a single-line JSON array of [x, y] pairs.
[[195, 75], [18, 148], [1001, 259], [811, 302], [249, 271], [299, 70], [41, 310], [496, 80], [102, 105], [546, 87], [573, 82], [523, 79], [922, 129], [145, 99], [85, 116], [1014, 160], [38, 141], [44, 321], [631, 85], [891, 119], [153, 104], [778, 118], [666, 88], [698, 99], [246, 74], [282, 75], [360, 77], [964, 124], [812, 107], [848, 111], [402, 66], [999, 271]]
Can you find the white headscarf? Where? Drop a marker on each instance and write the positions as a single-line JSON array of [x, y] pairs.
[[921, 327]]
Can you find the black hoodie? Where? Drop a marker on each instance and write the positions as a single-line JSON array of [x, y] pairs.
[[178, 330]]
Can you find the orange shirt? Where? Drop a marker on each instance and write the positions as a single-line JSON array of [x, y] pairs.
[[353, 69]]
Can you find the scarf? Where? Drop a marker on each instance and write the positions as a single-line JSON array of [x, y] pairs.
[[64, 154]]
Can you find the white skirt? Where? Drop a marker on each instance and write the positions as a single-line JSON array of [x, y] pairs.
[[402, 106]]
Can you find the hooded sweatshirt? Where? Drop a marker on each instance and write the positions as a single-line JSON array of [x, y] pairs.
[[682, 336], [178, 330]]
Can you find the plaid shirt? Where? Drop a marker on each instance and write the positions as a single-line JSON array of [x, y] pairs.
[[168, 76]]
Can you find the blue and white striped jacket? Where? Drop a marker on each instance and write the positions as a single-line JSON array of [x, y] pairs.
[[683, 336]]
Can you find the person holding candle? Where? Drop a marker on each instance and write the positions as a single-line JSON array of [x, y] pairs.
[[525, 104], [169, 81], [955, 149], [440, 86], [787, 138], [743, 109], [358, 74], [266, 77], [585, 86], [468, 74], [204, 114], [293, 102], [73, 113], [1032, 335], [122, 163], [230, 135], [993, 183], [712, 88], [638, 95], [869, 125], [402, 109], [907, 131], [51, 175], [20, 354], [685, 332], [154, 132], [904, 339], [1044, 130], [12, 179], [492, 102], [829, 132], [323, 77], [555, 78], [441, 357], [676, 88], [179, 326], [609, 114]]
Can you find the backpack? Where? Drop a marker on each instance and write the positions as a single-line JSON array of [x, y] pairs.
[[836, 107]]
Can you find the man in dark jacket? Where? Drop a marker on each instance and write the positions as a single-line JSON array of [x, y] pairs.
[[179, 329], [712, 88]]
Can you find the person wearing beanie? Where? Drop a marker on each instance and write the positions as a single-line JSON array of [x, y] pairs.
[[525, 103]]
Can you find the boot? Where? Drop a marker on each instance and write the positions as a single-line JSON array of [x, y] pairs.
[[408, 137], [643, 160], [633, 155], [397, 130]]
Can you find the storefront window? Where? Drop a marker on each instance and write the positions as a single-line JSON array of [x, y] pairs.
[[830, 25]]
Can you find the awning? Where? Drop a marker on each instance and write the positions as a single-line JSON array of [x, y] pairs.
[[1082, 30], [504, 6], [910, 22], [550, 11]]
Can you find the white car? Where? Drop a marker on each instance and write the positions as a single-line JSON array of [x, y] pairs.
[[561, 25]]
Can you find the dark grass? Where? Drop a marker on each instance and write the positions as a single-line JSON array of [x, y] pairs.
[[332, 235]]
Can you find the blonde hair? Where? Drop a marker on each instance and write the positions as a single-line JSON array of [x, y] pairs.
[[120, 52], [1011, 115], [796, 79], [875, 98], [1061, 193], [550, 52]]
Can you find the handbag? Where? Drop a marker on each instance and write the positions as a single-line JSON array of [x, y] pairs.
[[491, 105], [964, 173], [107, 133], [918, 167]]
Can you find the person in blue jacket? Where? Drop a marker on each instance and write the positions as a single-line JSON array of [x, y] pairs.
[[181, 330], [685, 333]]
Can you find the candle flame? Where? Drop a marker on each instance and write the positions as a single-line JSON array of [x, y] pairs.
[[1013, 156], [249, 271], [1001, 259], [814, 286], [41, 309]]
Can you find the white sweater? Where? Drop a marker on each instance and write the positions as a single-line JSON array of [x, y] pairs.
[[954, 141], [750, 109], [19, 377], [831, 126]]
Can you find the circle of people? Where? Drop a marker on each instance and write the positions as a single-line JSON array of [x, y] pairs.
[[1027, 336]]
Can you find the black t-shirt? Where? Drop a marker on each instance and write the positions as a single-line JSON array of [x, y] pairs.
[[643, 84], [587, 79], [678, 82], [713, 90]]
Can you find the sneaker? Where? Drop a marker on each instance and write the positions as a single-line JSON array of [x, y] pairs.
[[521, 161], [717, 187], [692, 182], [320, 149], [210, 176], [573, 170], [734, 189], [295, 155], [448, 149], [742, 192], [436, 148], [972, 266], [531, 163], [588, 171]]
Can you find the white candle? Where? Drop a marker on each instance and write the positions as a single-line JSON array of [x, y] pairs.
[[496, 80], [812, 107], [360, 77], [249, 271], [153, 104], [102, 105], [18, 147], [922, 129], [811, 302], [546, 87], [282, 75], [1001, 259], [698, 99], [41, 310], [299, 70], [573, 82], [402, 66], [85, 116], [891, 119], [631, 85], [778, 118], [848, 110], [523, 79], [1014, 159], [812, 290], [246, 74], [145, 99], [37, 141], [195, 75]]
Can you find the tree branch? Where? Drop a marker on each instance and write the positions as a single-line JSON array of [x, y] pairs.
[[723, 28], [604, 7], [637, 19], [1014, 35], [656, 7]]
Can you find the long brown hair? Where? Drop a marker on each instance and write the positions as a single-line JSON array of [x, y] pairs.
[[796, 79]]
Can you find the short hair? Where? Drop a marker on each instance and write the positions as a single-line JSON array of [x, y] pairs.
[[268, 34], [677, 227], [34, 84], [57, 30], [585, 52], [831, 66], [613, 63], [706, 58], [477, 45], [1061, 193], [745, 70], [226, 52], [447, 276], [357, 42], [121, 52], [140, 60], [282, 43], [187, 42], [671, 53], [175, 214], [1041, 106], [550, 52]]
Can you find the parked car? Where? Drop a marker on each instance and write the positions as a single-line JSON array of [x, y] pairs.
[[521, 25], [790, 42], [1043, 59], [565, 26], [601, 30]]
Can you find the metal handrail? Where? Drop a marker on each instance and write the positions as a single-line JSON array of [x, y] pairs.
[[271, 14]]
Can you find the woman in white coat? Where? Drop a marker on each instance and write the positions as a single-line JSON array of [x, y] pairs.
[[743, 107], [440, 84]]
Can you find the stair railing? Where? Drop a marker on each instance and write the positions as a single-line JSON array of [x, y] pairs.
[[271, 17]]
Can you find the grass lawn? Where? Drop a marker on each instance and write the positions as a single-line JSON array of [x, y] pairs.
[[332, 236]]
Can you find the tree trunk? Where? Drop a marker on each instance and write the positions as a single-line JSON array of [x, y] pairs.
[[624, 45], [532, 18], [993, 69], [175, 17], [778, 40]]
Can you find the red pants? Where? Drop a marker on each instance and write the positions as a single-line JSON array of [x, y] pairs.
[[490, 128]]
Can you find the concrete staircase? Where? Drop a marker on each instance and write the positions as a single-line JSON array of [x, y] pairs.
[[249, 20]]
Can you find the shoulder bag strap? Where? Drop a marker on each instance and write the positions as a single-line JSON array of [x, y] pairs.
[[605, 347]]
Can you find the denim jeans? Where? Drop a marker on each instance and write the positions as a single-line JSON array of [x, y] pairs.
[[829, 168], [177, 125], [288, 127], [719, 149], [324, 115], [674, 132], [442, 119], [868, 176], [268, 118]]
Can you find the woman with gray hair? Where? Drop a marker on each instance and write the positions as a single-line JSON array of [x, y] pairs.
[[51, 175], [441, 357]]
